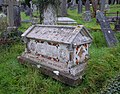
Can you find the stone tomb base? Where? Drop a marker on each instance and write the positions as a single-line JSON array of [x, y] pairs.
[[63, 77], [66, 21]]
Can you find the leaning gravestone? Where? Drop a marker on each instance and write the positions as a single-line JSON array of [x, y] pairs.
[[106, 29], [80, 6], [34, 8]]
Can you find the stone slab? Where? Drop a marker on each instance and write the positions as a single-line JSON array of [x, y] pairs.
[[66, 20], [60, 76]]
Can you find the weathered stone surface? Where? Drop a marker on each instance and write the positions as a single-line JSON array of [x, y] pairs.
[[80, 6], [102, 5], [63, 8], [87, 16], [63, 49], [50, 17], [66, 21], [107, 31], [87, 5]]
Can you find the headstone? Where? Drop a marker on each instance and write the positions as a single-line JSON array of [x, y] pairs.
[[106, 29], [50, 17], [34, 8], [107, 7], [87, 5], [112, 1], [10, 13], [1, 2], [28, 11], [63, 8], [87, 16], [80, 6], [22, 8], [102, 5], [73, 2], [73, 5], [17, 17]]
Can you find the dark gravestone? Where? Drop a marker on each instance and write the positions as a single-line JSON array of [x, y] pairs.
[[112, 1], [17, 17], [86, 16], [117, 25], [102, 5], [106, 29], [28, 11], [79, 6], [87, 5], [22, 8], [1, 2]]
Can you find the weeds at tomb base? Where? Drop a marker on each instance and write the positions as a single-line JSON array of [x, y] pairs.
[[102, 74]]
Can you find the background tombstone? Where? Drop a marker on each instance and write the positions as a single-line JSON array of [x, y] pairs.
[[80, 6], [87, 5], [28, 11], [102, 5], [73, 5], [86, 16], [112, 1], [22, 8], [34, 8], [50, 17], [107, 6], [1, 2], [73, 2], [17, 17], [63, 8]]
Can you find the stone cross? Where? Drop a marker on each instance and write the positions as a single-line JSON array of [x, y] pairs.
[[79, 6], [87, 5], [102, 5], [10, 13]]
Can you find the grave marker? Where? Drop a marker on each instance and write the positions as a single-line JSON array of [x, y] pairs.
[[10, 13], [80, 6], [102, 5], [106, 29], [87, 5], [86, 16]]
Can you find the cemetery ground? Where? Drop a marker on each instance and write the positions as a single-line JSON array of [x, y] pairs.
[[103, 67]]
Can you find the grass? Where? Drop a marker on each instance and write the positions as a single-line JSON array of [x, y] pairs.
[[20, 79]]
